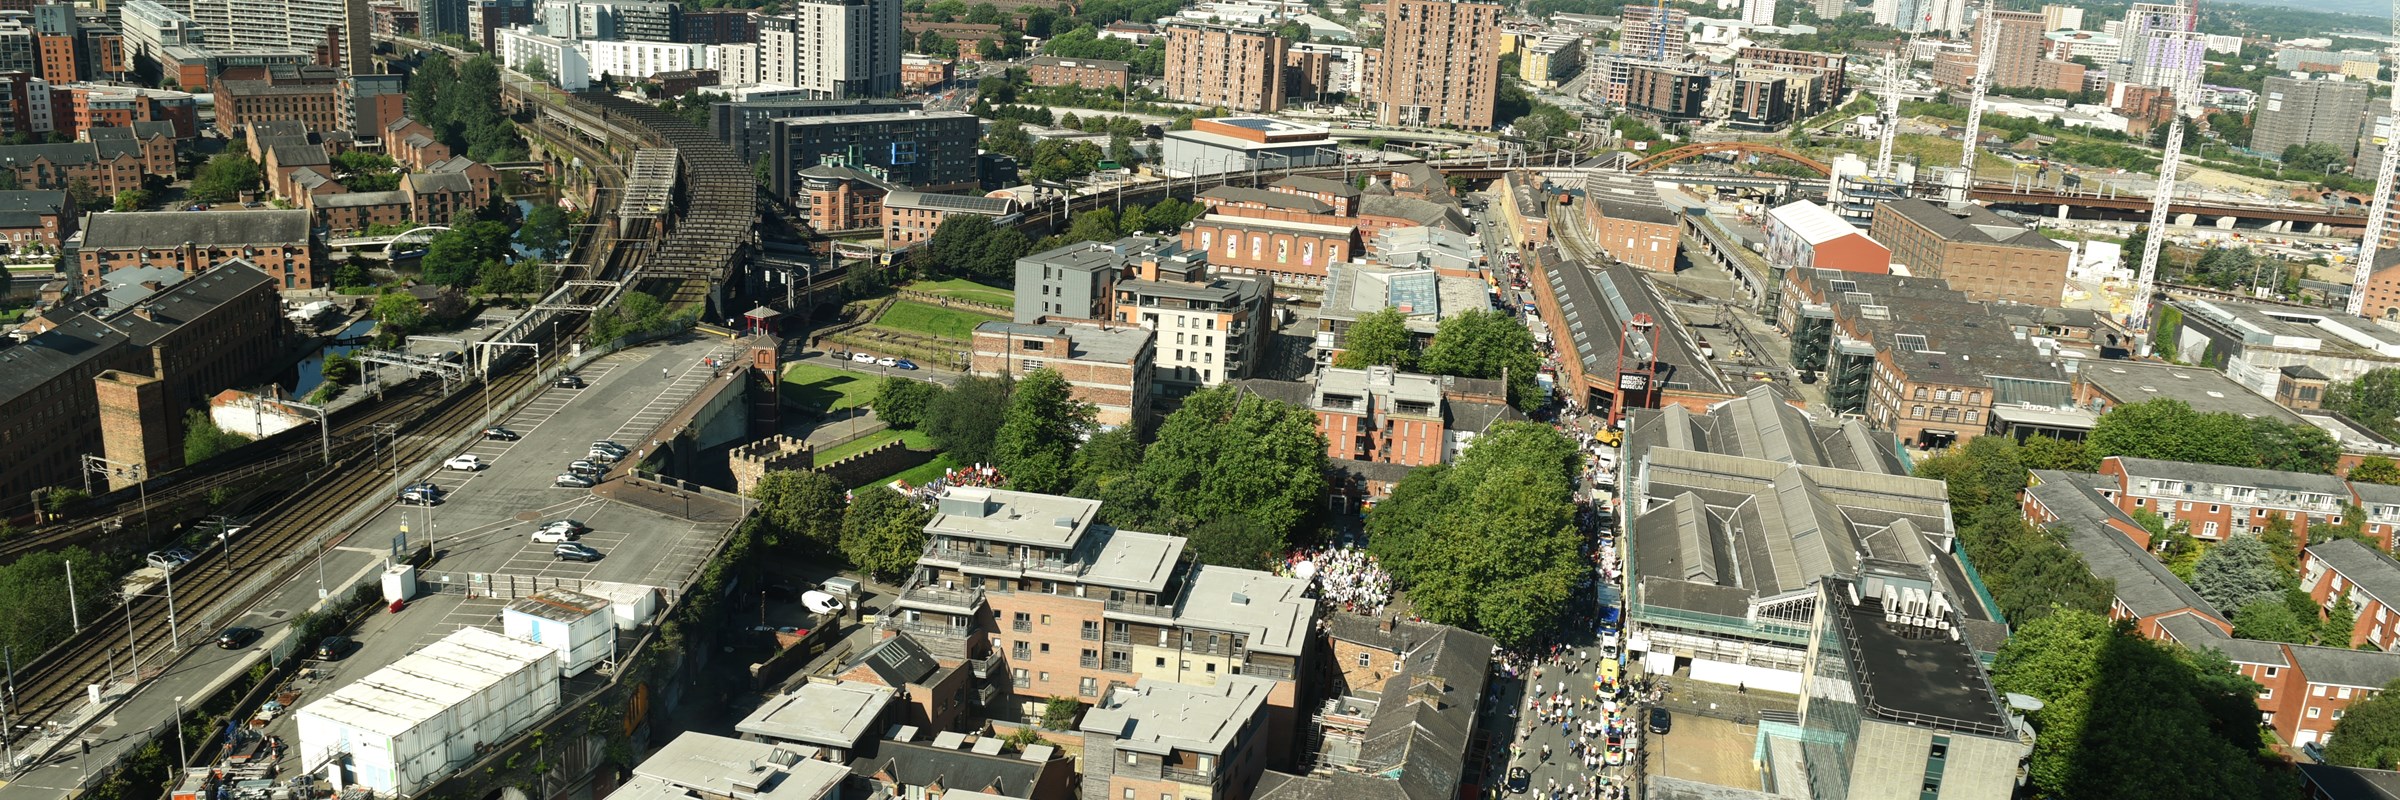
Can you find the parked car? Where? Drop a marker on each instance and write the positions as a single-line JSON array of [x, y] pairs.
[[422, 494], [1519, 780], [572, 482], [905, 364], [553, 536], [332, 648], [588, 468], [573, 551], [863, 358], [501, 434], [612, 448], [841, 355], [166, 560], [570, 382], [887, 361], [602, 456], [1660, 720], [236, 638], [468, 462], [571, 526]]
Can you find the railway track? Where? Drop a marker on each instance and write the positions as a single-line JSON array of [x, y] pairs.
[[215, 589]]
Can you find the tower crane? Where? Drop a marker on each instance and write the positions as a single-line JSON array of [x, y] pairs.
[[2181, 79], [2379, 213], [1891, 100], [1982, 83]]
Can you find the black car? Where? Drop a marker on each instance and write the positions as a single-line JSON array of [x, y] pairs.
[[1519, 780], [237, 638], [570, 382], [1660, 720], [333, 648], [501, 434]]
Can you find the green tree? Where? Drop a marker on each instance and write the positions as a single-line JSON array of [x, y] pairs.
[[2294, 447], [132, 200], [1096, 225], [339, 368], [398, 312], [1226, 454], [2030, 573], [883, 532], [545, 229], [2237, 571], [2376, 469], [2126, 717], [1491, 542], [1381, 338], [203, 440], [800, 506], [2048, 452], [2169, 429], [2368, 735], [35, 588], [459, 256], [1234, 542], [2315, 157], [1107, 458], [1035, 446], [1488, 344], [2371, 399], [901, 403], [225, 177], [965, 419], [2282, 542], [2270, 620], [2339, 623], [1059, 713]]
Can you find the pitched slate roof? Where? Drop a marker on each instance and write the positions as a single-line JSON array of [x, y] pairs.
[[2144, 585], [175, 228]]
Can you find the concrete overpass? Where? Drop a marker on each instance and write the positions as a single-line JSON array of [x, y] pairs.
[[2224, 215]]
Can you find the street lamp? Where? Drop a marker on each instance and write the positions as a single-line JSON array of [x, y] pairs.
[[182, 758]]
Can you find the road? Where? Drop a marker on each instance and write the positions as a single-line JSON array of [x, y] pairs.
[[482, 528]]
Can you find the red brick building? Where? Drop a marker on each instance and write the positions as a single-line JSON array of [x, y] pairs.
[[2218, 501], [1089, 73], [843, 199], [1106, 364], [1287, 252], [1801, 234], [277, 242], [911, 217], [34, 217]]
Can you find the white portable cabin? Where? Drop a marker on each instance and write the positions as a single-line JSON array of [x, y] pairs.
[[403, 727], [576, 625]]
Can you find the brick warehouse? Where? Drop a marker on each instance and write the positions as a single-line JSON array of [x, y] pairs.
[[280, 243], [1106, 365], [117, 384]]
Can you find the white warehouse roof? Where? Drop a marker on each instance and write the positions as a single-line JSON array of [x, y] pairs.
[[419, 687], [1811, 222]]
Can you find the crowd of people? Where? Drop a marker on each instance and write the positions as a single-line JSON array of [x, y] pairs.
[[977, 475], [1345, 577]]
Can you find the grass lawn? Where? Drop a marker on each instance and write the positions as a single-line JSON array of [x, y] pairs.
[[826, 388], [935, 320], [919, 475], [913, 440], [964, 289]]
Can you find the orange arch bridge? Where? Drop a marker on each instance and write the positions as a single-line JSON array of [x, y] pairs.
[[1692, 151]]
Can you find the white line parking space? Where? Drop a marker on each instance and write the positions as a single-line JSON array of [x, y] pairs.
[[679, 389]]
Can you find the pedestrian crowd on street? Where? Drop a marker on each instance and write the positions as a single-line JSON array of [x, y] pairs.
[[1344, 577]]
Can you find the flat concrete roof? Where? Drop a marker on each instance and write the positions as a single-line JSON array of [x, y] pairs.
[[1270, 608], [839, 714], [1000, 515], [1161, 717]]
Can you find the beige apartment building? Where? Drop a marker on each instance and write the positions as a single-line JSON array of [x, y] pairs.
[[1441, 63], [1236, 66]]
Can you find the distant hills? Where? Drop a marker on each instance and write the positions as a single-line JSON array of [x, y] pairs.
[[2378, 9]]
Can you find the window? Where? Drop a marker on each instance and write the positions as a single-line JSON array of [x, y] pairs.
[[1045, 649], [1022, 650], [2317, 690], [2314, 712], [1363, 659], [2344, 693], [1045, 619], [2266, 694], [2272, 670], [1212, 667], [1091, 630], [1045, 677], [1162, 662]]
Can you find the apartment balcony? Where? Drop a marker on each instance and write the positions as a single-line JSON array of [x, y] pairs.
[[1186, 776], [1120, 638], [988, 693], [964, 601], [986, 666], [1138, 608], [971, 559], [1089, 662], [1276, 671], [946, 641]]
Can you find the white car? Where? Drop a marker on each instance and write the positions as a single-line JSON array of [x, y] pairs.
[[863, 358], [469, 462], [552, 536], [887, 361]]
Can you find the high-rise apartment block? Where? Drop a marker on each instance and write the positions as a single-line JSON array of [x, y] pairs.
[[833, 49], [1238, 67], [1441, 63], [2062, 18], [1920, 16], [2294, 110], [1758, 12], [2019, 57], [304, 25], [2158, 46]]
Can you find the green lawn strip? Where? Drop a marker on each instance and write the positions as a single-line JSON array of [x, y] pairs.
[[913, 440], [919, 475], [949, 323], [826, 388], [964, 289]]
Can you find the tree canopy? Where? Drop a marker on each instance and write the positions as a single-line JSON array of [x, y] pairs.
[[902, 403], [2376, 469], [1488, 344], [2372, 399], [2127, 717], [35, 590], [225, 177], [2238, 571], [461, 102], [1228, 455], [965, 418], [2030, 573], [1489, 543], [883, 532], [2168, 429], [2368, 735], [1035, 446], [1378, 339], [800, 506], [971, 246]]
